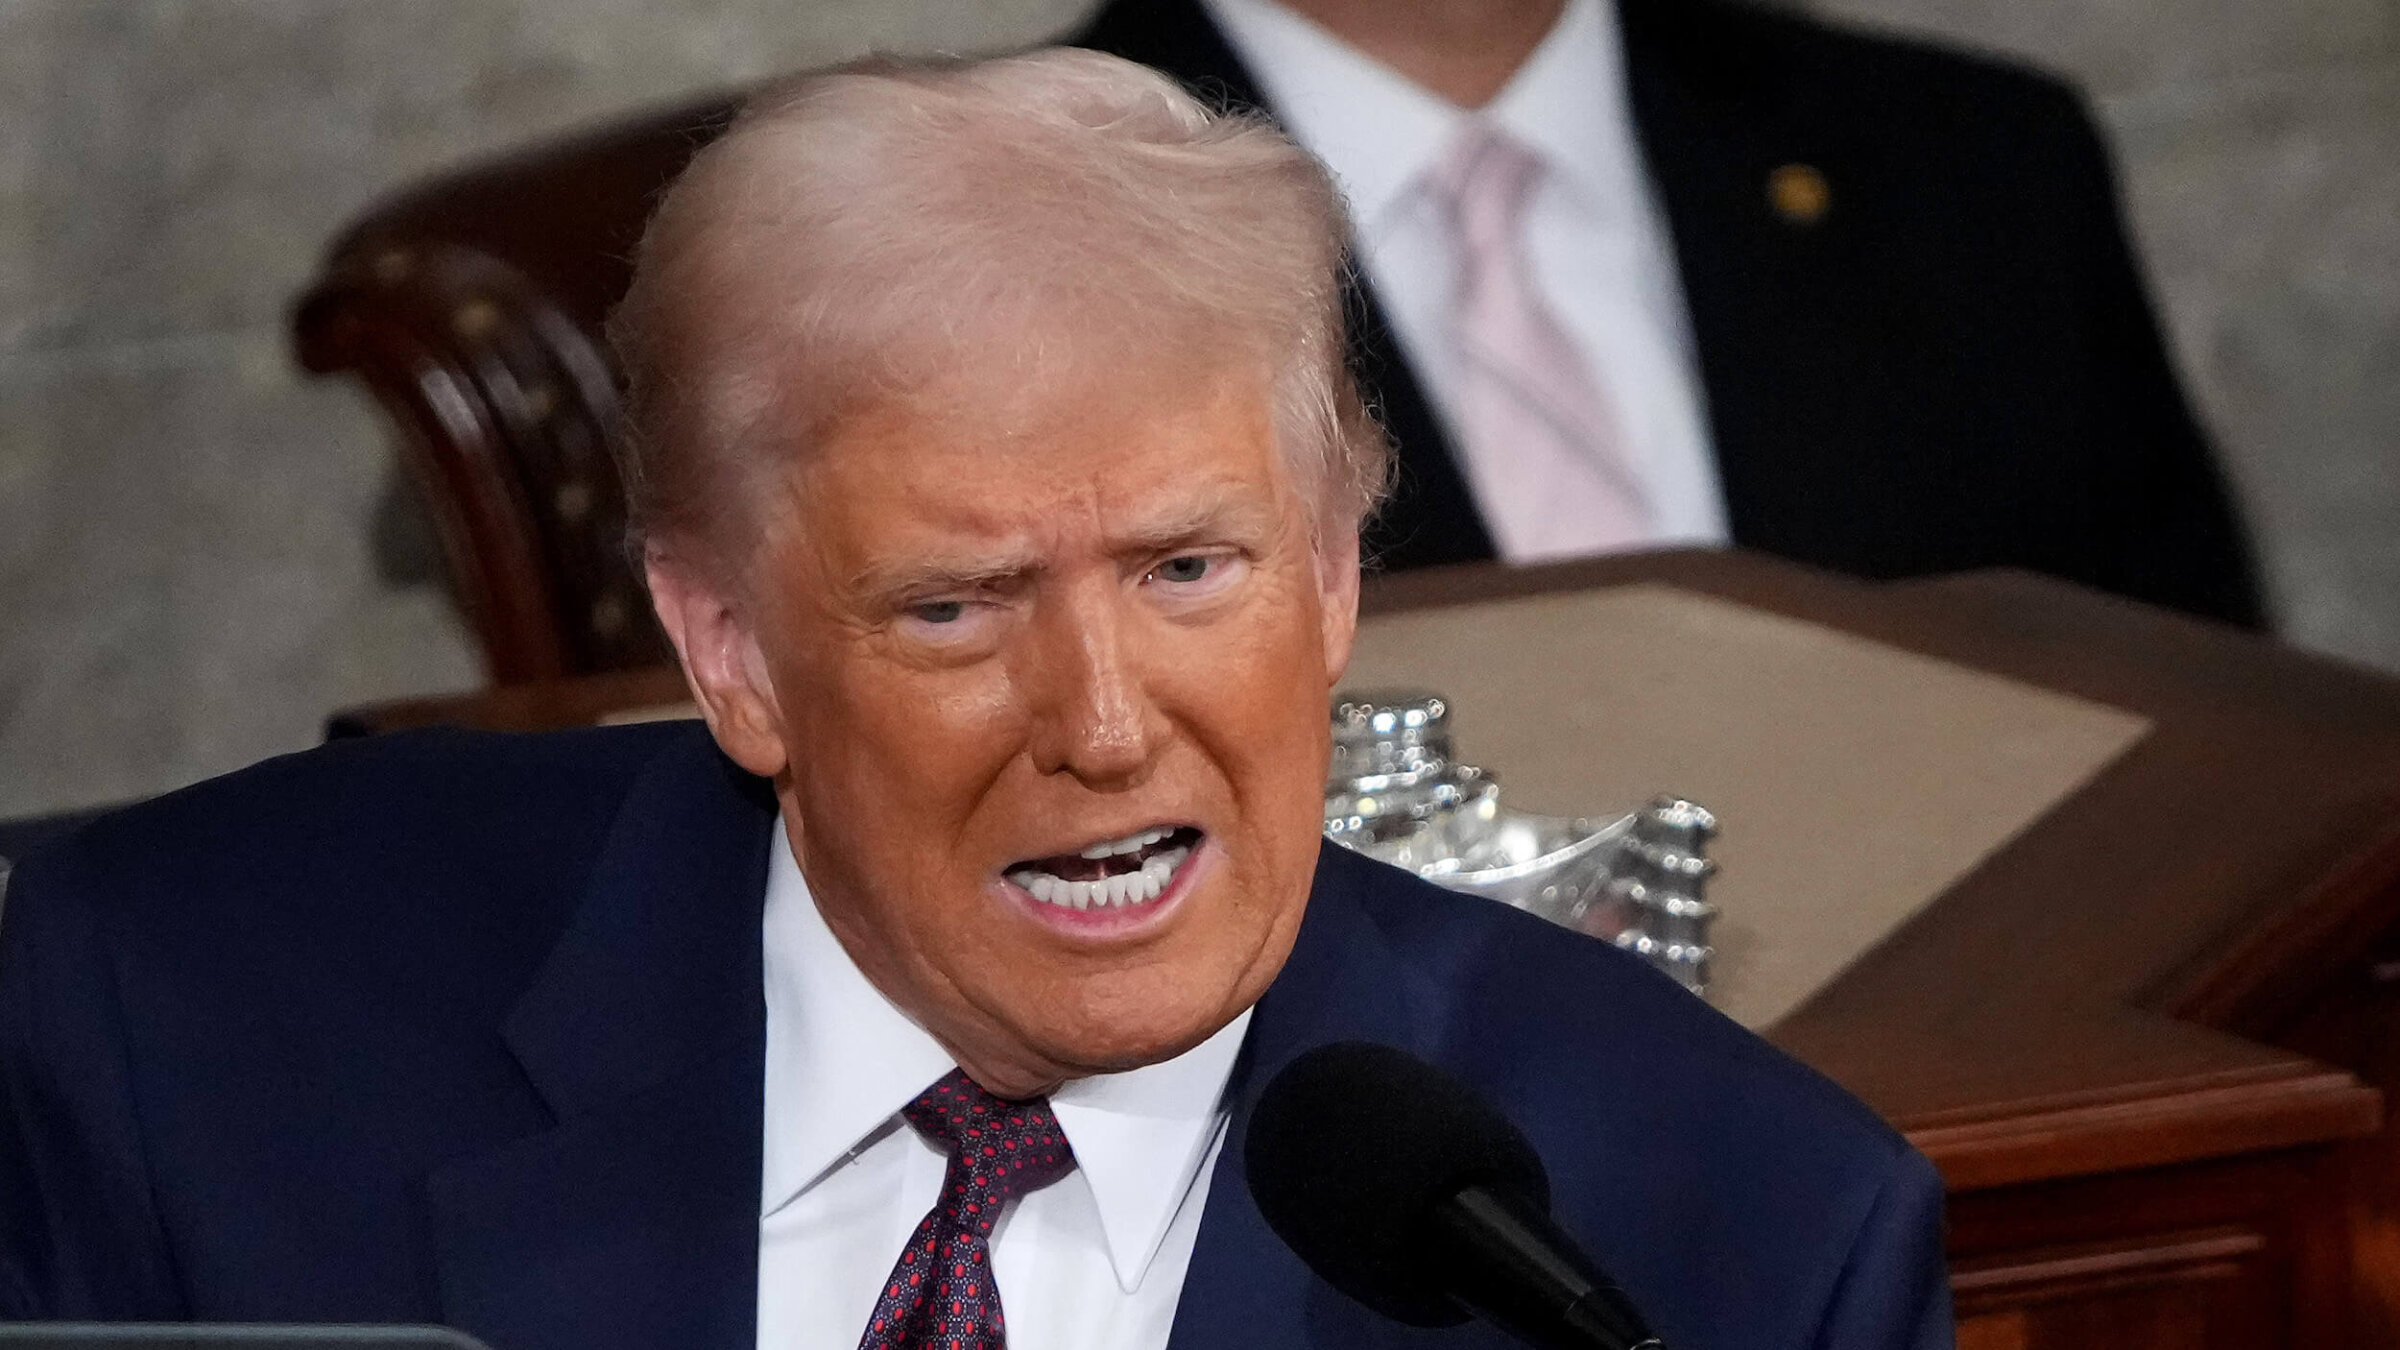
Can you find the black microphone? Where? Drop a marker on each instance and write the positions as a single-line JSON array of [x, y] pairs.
[[1406, 1191]]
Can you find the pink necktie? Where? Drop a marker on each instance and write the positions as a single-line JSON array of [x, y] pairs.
[[1542, 445]]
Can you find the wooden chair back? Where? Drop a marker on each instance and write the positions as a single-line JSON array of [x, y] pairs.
[[471, 306]]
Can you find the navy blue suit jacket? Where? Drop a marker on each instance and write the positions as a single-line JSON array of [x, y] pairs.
[[463, 1028]]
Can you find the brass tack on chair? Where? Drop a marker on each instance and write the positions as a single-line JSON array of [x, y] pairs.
[[608, 615], [475, 319], [573, 500], [1799, 193]]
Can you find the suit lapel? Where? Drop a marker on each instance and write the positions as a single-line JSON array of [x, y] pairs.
[[1695, 114], [1431, 516], [1342, 982], [1777, 304], [634, 1221]]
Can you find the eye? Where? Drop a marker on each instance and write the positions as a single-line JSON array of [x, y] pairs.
[[1187, 582], [938, 611], [1184, 570], [953, 628]]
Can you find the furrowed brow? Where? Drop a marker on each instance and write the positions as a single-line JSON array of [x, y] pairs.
[[900, 578], [1222, 518]]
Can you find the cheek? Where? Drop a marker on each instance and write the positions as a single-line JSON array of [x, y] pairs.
[[1255, 701], [1278, 693], [903, 757]]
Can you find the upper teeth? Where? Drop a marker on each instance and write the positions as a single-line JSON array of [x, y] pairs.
[[1126, 888], [1132, 843]]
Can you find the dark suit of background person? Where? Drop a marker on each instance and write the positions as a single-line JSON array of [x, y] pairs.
[[1955, 366], [466, 1028]]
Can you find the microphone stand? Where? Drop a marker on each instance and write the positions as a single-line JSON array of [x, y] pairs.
[[1507, 1261]]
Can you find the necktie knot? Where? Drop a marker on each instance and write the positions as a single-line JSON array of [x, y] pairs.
[[941, 1295], [1000, 1149], [1486, 178]]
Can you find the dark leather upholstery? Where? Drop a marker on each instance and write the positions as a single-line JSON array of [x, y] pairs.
[[472, 307]]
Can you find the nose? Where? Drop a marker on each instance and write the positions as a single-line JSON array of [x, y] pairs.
[[1092, 714]]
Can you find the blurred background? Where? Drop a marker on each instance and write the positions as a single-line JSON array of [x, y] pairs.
[[203, 551]]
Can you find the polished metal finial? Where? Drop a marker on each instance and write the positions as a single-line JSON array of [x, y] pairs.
[[1396, 792], [1661, 877], [1382, 732]]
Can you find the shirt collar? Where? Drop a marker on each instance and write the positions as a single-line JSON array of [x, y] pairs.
[[842, 1060], [1375, 130], [1568, 104], [1141, 1138], [1381, 134]]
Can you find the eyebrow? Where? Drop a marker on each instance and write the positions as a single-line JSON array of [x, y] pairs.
[[913, 576], [1221, 513]]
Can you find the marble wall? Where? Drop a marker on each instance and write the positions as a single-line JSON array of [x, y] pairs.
[[2260, 150], [190, 574]]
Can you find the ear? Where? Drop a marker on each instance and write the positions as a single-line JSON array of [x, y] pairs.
[[721, 662], [1337, 592]]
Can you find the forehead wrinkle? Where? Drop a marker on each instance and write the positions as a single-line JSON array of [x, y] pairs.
[[895, 576], [1219, 511], [980, 543]]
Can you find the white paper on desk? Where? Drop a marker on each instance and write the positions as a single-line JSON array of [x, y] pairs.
[[1855, 782]]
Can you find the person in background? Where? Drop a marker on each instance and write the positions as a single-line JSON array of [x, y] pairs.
[[999, 472], [1644, 273]]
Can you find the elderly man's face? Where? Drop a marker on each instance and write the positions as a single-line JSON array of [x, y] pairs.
[[1042, 680]]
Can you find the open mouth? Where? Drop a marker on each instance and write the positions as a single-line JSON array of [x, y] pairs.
[[1112, 874]]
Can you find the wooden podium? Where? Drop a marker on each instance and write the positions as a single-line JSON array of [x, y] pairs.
[[2146, 1037]]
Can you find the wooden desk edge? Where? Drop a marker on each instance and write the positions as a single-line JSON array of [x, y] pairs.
[[2247, 987], [2003, 1144]]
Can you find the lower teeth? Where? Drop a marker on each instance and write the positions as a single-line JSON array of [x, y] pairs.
[[1117, 892]]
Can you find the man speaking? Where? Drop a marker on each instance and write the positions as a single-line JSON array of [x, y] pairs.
[[999, 481]]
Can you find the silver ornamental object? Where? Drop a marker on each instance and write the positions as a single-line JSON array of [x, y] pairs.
[[1397, 793]]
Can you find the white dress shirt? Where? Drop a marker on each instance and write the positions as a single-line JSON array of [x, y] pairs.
[[1600, 249], [1094, 1261]]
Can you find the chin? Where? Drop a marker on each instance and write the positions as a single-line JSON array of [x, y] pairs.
[[1101, 1043]]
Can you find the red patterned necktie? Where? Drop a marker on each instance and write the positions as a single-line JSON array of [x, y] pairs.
[[941, 1296]]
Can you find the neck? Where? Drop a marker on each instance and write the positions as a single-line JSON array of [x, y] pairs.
[[1462, 50]]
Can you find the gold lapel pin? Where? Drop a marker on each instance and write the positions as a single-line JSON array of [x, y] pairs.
[[1799, 193]]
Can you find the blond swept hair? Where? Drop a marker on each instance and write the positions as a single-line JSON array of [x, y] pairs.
[[861, 230]]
